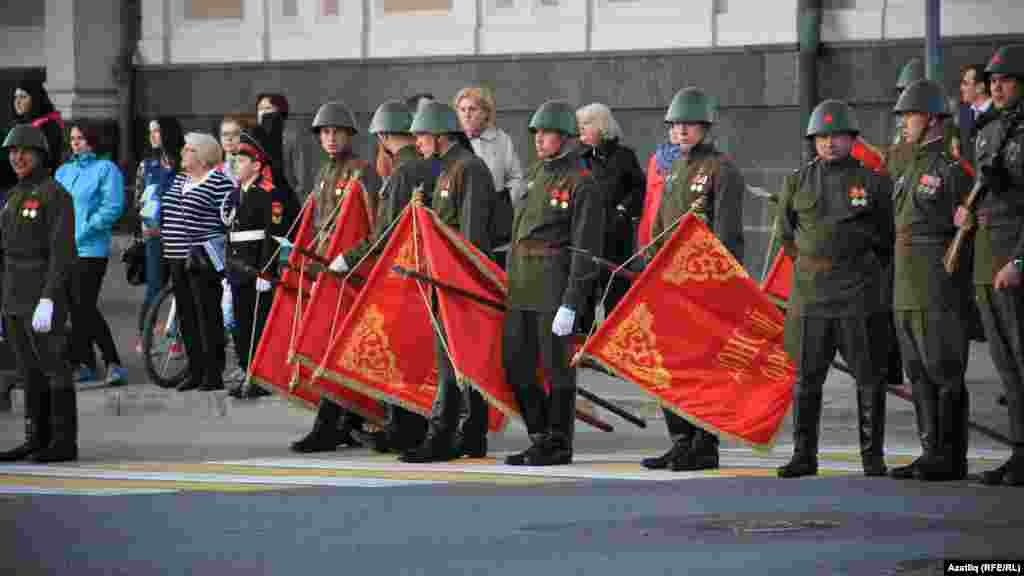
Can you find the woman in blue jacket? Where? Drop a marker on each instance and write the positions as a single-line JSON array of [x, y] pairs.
[[97, 191], [154, 177]]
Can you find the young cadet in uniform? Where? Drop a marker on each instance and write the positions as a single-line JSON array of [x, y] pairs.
[[835, 221], [390, 124], [999, 245], [708, 183], [928, 303], [334, 126], [548, 283], [38, 229], [464, 198], [255, 213]]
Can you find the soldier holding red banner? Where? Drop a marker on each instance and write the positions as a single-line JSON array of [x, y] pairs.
[[463, 198], [548, 283], [706, 182], [334, 126], [836, 222]]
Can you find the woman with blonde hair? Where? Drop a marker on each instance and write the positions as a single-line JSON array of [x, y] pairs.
[[476, 110], [622, 181]]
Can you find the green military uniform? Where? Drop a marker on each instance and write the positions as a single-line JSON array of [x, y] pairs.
[[929, 304], [836, 223], [464, 198], [561, 209], [708, 181], [37, 223], [333, 425], [1000, 240]]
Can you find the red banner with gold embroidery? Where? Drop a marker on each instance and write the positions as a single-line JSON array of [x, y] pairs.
[[474, 330], [779, 280], [695, 332], [385, 346], [329, 303]]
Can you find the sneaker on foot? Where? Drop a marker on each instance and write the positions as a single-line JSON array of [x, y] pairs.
[[116, 374]]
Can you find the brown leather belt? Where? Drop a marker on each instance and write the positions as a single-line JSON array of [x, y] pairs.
[[532, 247], [809, 263]]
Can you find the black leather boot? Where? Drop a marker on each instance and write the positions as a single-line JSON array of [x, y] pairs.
[[925, 414], [939, 464], [63, 445], [806, 419], [556, 451], [679, 454], [471, 437], [331, 429], [871, 427], [437, 445], [703, 453], [538, 445], [37, 424]]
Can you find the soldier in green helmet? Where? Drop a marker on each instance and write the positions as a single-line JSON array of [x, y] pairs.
[[548, 283], [911, 72], [391, 126], [928, 303], [999, 245], [707, 182], [334, 126], [37, 224], [835, 221], [463, 198]]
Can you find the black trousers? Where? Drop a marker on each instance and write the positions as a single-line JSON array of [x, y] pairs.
[[41, 358], [528, 337], [250, 318], [88, 326], [1001, 312], [197, 296]]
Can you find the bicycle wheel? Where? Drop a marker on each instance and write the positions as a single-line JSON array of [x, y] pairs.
[[162, 346]]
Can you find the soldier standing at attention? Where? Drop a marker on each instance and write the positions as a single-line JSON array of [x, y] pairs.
[[390, 125], [464, 198], [38, 229], [705, 181], [999, 245], [928, 303], [836, 222], [334, 126], [548, 283]]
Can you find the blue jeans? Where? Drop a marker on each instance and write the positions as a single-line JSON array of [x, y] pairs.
[[154, 276]]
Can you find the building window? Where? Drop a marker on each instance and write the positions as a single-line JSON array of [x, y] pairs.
[[839, 4], [23, 14], [290, 8], [329, 8], [392, 7], [721, 6], [213, 9], [548, 3], [504, 4]]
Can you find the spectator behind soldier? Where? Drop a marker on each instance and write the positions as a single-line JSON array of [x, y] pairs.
[[287, 160], [152, 180], [975, 106], [97, 192], [31, 105], [230, 131], [191, 225]]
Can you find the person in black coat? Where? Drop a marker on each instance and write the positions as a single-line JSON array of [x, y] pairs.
[[30, 104], [623, 182]]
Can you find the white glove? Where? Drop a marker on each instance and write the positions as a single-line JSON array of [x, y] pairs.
[[263, 285], [43, 316], [339, 264], [564, 319]]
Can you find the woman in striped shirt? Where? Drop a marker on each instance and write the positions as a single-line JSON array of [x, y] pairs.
[[191, 217]]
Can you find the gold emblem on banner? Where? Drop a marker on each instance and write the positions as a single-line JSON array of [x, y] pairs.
[[406, 257], [702, 258], [634, 346], [371, 355]]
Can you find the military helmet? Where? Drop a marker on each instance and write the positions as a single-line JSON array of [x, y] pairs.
[[912, 71], [435, 118], [392, 116], [1008, 60], [691, 105], [555, 115], [26, 136], [832, 117], [923, 96], [335, 114]]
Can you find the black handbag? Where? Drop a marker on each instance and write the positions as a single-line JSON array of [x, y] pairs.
[[134, 259]]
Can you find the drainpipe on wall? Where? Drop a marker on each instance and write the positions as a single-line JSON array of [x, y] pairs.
[[809, 30], [933, 33]]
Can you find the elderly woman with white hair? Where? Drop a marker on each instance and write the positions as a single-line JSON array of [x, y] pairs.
[[192, 229], [476, 110], [622, 180]]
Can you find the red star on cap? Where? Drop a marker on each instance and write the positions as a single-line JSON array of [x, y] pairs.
[[828, 118]]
